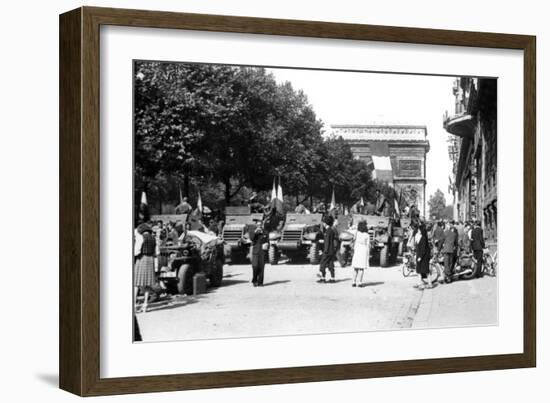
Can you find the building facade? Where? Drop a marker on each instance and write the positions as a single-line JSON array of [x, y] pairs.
[[473, 150], [408, 146]]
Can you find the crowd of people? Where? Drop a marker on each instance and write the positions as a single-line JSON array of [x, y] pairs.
[[449, 239], [441, 238]]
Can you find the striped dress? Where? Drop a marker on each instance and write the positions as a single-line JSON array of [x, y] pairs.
[[144, 273]]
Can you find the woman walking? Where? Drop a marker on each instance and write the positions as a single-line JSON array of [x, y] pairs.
[[360, 260], [144, 273], [423, 258]]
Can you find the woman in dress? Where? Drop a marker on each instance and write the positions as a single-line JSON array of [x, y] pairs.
[[423, 255], [144, 273], [360, 260]]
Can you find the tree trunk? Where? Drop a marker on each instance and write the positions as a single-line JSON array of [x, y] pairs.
[[186, 185], [227, 183]]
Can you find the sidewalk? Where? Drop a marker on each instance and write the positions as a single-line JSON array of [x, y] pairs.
[[461, 303]]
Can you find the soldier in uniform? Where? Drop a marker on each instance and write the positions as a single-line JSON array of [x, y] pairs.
[[257, 258], [380, 203], [184, 207]]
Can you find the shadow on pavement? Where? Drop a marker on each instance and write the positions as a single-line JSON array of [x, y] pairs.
[[226, 282], [276, 282], [371, 284], [175, 301]]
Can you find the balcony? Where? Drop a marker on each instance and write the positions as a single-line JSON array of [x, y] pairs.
[[462, 125]]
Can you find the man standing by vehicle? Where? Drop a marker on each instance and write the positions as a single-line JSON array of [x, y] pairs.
[[478, 244], [450, 243], [329, 250], [257, 258], [380, 203]]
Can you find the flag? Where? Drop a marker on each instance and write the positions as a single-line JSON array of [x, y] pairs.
[[277, 200], [380, 153], [181, 196], [362, 203], [143, 208], [199, 202], [332, 201], [273, 191]]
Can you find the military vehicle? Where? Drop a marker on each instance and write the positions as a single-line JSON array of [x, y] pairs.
[[238, 223], [382, 242], [299, 237], [197, 253]]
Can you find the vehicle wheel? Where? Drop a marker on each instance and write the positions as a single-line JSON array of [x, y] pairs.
[[472, 274], [314, 253], [406, 270], [384, 256], [185, 279], [273, 255], [216, 276]]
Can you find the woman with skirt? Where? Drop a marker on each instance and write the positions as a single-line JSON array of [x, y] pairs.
[[361, 249], [144, 272], [423, 255]]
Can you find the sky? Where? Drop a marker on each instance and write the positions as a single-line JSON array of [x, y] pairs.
[[377, 98]]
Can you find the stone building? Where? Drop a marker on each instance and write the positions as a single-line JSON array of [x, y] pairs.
[[407, 146], [473, 151]]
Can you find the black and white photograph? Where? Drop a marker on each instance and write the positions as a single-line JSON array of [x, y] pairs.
[[273, 201]]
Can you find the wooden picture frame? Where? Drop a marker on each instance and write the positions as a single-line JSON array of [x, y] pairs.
[[79, 346]]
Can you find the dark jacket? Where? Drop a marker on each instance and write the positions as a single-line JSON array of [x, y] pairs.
[[423, 256], [258, 238], [330, 246], [450, 241], [438, 236], [478, 242]]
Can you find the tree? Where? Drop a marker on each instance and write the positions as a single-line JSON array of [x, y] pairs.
[[437, 205]]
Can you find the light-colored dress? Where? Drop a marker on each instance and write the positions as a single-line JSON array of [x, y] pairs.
[[361, 251]]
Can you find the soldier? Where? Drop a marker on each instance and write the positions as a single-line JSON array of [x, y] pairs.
[[330, 248], [380, 203], [257, 258], [184, 207], [300, 209]]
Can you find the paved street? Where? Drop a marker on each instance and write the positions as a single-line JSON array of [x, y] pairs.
[[292, 302]]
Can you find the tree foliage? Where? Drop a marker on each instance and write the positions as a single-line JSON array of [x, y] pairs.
[[437, 204], [231, 130]]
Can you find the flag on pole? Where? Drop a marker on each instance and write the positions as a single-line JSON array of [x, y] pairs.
[[144, 208], [181, 196], [279, 200], [380, 153], [362, 202], [273, 191], [332, 200], [199, 202]]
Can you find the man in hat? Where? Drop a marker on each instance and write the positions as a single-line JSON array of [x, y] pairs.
[[184, 207], [257, 258], [330, 248]]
